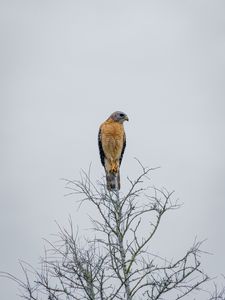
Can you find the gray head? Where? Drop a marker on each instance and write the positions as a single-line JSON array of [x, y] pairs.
[[119, 116]]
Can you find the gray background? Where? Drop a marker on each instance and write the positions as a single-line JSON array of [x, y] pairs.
[[65, 66]]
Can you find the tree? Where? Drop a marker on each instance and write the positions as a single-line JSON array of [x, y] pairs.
[[117, 263]]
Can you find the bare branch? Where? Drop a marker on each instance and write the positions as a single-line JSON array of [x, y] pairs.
[[116, 263]]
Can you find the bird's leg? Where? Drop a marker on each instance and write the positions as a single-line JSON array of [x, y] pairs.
[[115, 166]]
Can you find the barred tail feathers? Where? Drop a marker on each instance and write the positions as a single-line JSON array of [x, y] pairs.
[[113, 180]]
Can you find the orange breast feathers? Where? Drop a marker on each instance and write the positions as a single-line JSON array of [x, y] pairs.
[[112, 138]]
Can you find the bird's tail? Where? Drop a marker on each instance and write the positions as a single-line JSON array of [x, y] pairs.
[[113, 180]]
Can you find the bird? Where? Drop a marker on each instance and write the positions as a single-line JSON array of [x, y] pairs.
[[112, 144]]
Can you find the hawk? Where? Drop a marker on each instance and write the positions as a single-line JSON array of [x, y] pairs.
[[112, 143]]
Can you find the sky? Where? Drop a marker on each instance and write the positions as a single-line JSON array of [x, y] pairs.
[[65, 67]]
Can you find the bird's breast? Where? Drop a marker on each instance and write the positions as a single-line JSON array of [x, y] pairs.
[[112, 139]]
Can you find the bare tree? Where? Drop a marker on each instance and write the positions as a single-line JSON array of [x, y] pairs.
[[117, 263]]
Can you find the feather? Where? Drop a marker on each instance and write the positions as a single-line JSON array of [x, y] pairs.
[[124, 146], [101, 152], [113, 181]]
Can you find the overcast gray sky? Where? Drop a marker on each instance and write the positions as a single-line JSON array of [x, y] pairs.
[[65, 66]]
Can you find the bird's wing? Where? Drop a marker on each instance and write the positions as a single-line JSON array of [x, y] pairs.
[[123, 149], [101, 152]]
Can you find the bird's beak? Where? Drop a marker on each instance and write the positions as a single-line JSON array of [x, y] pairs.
[[126, 118]]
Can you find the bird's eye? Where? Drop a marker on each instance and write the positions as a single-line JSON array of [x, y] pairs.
[[121, 115]]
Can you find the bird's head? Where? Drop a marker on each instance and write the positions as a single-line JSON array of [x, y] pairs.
[[119, 116]]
